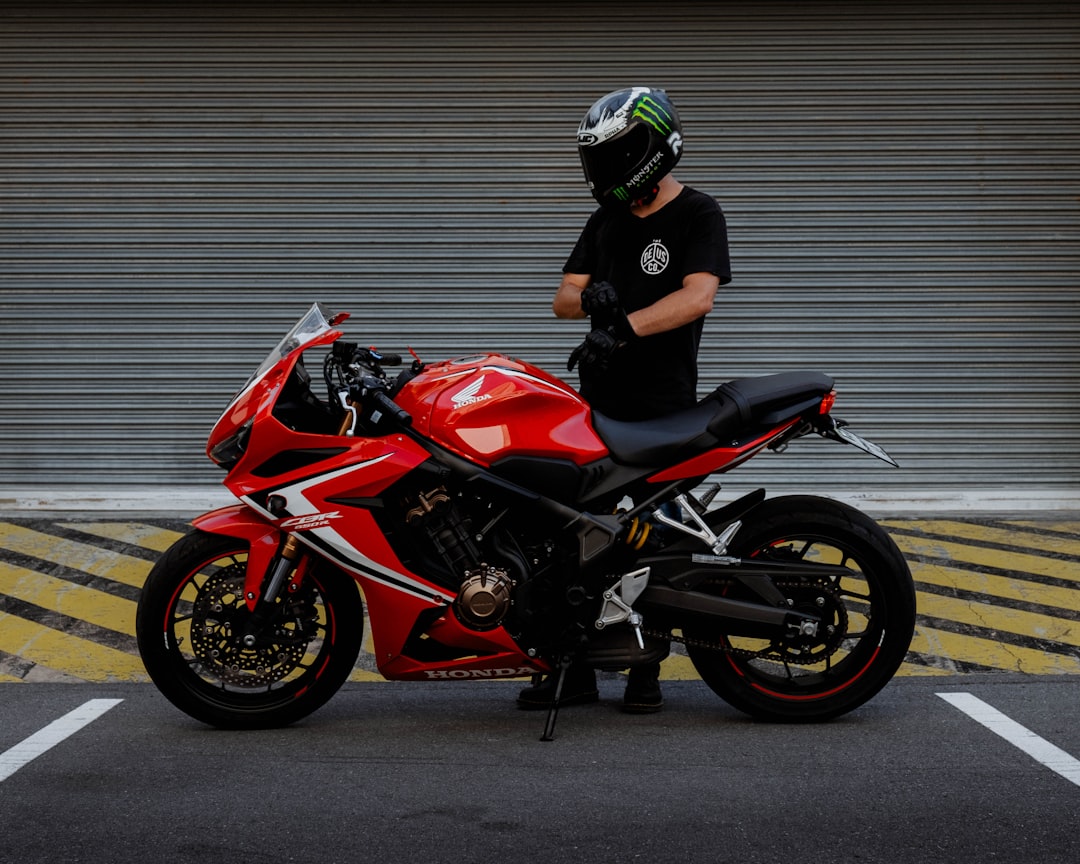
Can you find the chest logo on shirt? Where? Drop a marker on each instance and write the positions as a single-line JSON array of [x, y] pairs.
[[654, 259]]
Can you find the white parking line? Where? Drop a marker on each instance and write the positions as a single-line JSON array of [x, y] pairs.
[[25, 751], [1039, 749]]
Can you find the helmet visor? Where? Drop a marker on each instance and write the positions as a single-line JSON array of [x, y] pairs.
[[612, 163]]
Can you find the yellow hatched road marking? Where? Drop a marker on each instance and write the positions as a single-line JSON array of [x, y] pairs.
[[989, 534], [993, 558], [914, 670], [1063, 527], [63, 652], [68, 598], [1006, 587], [987, 616], [991, 653], [365, 675], [677, 667], [81, 556], [148, 536]]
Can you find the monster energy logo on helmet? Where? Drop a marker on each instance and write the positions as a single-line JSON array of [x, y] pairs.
[[653, 113]]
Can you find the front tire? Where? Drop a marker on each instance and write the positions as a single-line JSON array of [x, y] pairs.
[[868, 618], [189, 622]]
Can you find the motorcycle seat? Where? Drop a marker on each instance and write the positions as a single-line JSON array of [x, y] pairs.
[[730, 409], [770, 399], [651, 442]]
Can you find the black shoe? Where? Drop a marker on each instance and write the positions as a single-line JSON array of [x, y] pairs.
[[579, 688], [643, 694]]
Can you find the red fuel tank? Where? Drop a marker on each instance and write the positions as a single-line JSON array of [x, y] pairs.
[[489, 406]]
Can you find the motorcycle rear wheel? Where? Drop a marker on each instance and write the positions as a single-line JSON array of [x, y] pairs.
[[868, 618], [188, 625]]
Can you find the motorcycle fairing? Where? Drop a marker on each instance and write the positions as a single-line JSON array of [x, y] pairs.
[[263, 387]]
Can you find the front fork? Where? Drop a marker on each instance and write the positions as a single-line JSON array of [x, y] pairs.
[[286, 576], [270, 559], [286, 562]]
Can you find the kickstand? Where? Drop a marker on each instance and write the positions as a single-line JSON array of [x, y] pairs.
[[553, 711]]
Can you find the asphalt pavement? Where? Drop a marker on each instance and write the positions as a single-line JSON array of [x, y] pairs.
[[453, 772]]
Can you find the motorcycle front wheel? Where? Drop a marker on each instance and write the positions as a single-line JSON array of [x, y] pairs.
[[190, 627], [867, 616]]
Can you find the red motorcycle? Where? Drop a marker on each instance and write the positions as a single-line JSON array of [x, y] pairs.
[[498, 528]]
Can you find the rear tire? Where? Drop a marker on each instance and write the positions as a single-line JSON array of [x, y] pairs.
[[871, 613], [188, 627]]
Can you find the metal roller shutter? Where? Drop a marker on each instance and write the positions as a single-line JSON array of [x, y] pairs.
[[176, 186]]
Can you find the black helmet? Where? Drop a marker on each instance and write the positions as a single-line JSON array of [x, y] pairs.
[[627, 142]]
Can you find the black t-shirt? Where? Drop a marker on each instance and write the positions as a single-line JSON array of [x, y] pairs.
[[646, 259]]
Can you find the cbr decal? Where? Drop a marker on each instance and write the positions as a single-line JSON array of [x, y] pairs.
[[312, 520]]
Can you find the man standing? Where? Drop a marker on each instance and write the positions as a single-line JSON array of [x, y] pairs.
[[645, 270]]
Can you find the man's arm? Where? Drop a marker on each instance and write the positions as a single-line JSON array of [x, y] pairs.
[[567, 302], [689, 303]]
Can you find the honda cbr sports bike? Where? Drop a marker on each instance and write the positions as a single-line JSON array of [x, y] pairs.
[[499, 528]]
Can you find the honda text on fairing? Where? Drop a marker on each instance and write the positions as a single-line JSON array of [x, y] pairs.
[[499, 528]]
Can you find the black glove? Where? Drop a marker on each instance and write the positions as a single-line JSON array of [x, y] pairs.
[[601, 303], [598, 346], [599, 297]]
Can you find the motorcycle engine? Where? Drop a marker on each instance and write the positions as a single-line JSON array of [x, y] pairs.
[[484, 597]]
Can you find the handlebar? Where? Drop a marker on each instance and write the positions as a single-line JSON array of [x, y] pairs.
[[395, 411], [382, 359], [354, 377], [351, 352], [372, 391]]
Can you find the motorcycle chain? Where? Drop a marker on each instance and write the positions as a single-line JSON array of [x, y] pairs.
[[769, 653]]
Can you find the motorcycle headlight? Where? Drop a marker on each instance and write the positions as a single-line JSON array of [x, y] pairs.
[[228, 452]]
